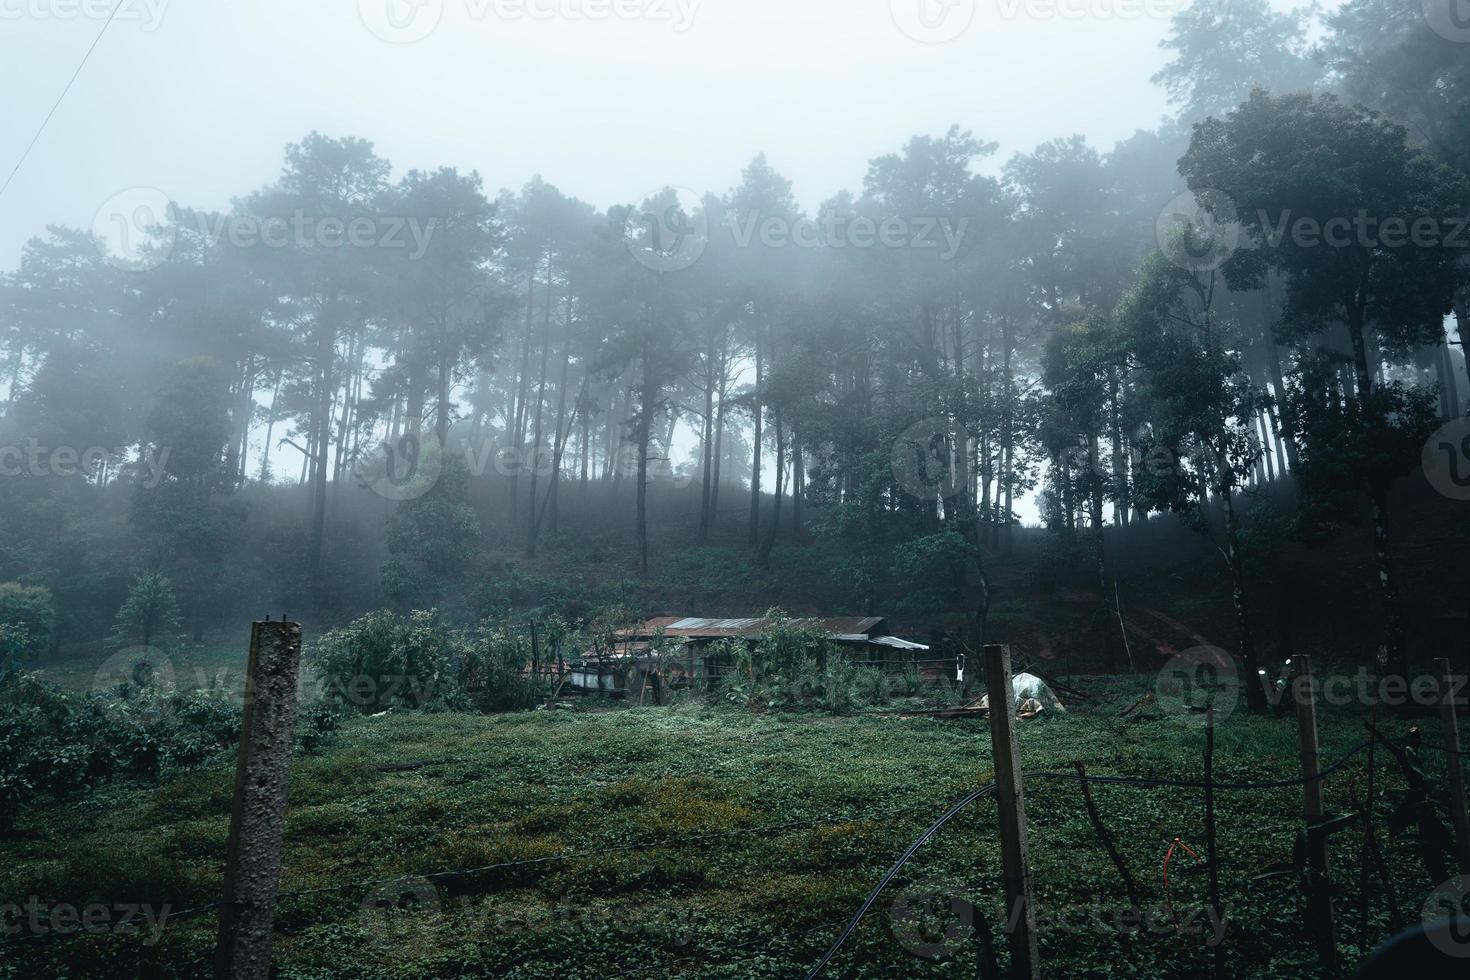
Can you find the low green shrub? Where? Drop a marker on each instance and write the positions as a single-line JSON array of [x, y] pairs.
[[385, 661], [56, 743]]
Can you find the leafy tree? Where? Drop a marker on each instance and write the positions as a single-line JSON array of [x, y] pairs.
[[149, 614], [321, 288], [1199, 408], [186, 514], [1331, 196], [383, 661], [27, 623], [434, 541], [1224, 51]]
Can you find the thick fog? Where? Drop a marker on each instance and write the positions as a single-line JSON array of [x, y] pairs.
[[606, 101]]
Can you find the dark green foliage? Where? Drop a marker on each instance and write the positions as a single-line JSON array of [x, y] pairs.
[[150, 615], [27, 623], [845, 795], [434, 541], [56, 744], [384, 661]]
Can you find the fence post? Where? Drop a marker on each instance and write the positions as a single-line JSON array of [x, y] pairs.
[[1212, 851], [258, 817], [1319, 897], [1455, 764], [1015, 857]]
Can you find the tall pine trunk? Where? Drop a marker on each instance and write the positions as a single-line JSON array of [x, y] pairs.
[[769, 542], [645, 427], [1255, 693], [755, 472], [1391, 654]]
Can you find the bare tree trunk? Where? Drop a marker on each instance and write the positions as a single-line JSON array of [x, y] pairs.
[[755, 473], [764, 558], [562, 434], [645, 427], [1119, 470], [244, 415], [585, 460], [1285, 425], [1255, 694], [321, 424], [1007, 429], [270, 429], [798, 484], [523, 384], [706, 444], [714, 493], [446, 370], [1391, 655], [535, 458], [1095, 518], [1449, 388]]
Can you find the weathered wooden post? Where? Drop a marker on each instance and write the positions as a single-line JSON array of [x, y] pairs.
[[258, 818], [1455, 764], [1014, 848], [1323, 929], [1212, 851]]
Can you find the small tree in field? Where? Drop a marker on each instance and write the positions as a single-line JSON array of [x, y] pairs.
[[150, 611], [27, 624]]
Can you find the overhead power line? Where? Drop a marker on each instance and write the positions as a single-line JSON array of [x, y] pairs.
[[57, 104]]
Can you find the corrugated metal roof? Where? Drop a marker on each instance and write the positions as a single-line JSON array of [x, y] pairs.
[[705, 628], [896, 643]]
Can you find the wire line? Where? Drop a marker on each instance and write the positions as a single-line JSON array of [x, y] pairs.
[[57, 104]]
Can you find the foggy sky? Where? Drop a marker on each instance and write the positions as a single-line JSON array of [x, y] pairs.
[[199, 98]]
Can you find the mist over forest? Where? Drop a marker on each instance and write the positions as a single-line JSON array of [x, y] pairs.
[[707, 464]]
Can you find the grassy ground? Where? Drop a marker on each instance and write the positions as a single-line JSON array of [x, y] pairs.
[[729, 845], [217, 664]]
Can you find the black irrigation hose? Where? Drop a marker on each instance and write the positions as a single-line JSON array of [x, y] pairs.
[[1145, 781], [1150, 782], [873, 895]]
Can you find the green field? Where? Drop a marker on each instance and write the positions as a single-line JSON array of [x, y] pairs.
[[710, 842]]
